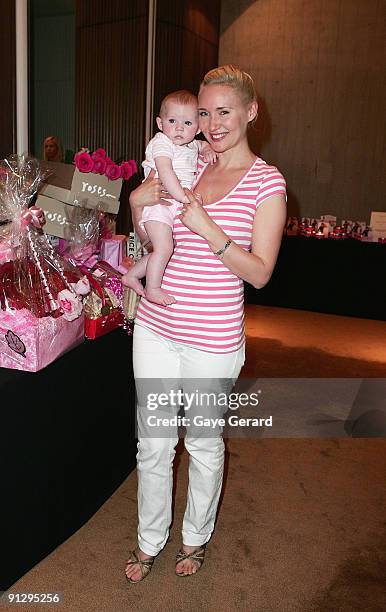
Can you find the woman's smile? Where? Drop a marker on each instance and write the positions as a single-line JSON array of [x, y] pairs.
[[217, 137]]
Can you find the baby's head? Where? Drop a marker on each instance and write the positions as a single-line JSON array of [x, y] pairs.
[[178, 117]]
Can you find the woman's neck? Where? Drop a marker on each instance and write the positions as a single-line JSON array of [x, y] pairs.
[[236, 157]]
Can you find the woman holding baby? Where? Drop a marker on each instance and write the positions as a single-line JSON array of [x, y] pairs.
[[229, 233]]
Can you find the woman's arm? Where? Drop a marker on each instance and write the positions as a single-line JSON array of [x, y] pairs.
[[169, 178], [256, 267]]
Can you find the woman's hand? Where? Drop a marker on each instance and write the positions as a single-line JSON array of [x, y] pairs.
[[148, 193], [195, 217]]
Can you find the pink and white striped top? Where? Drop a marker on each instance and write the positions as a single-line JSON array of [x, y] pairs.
[[209, 312]]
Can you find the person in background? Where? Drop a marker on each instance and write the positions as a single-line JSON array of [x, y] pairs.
[[52, 149]]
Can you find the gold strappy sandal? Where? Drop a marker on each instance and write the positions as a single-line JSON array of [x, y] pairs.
[[145, 565], [197, 556]]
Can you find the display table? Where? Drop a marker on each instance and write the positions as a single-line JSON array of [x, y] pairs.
[[344, 277], [67, 443]]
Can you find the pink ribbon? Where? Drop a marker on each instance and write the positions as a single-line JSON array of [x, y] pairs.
[[34, 216], [115, 284], [86, 258]]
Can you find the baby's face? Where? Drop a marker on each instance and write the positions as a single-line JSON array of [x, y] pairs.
[[179, 122]]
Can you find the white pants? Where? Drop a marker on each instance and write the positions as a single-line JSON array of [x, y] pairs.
[[155, 357]]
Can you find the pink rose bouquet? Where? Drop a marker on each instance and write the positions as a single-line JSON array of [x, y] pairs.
[[100, 163]]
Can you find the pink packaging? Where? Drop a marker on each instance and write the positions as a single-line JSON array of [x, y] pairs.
[[111, 250], [30, 343], [6, 251], [64, 245]]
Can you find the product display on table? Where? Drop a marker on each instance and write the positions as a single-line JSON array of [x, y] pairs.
[[40, 293], [94, 181], [103, 305], [378, 226], [81, 245], [113, 250], [326, 227]]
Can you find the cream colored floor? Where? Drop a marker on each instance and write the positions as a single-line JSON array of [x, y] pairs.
[[343, 336]]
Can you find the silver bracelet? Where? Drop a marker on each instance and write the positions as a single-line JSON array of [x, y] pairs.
[[224, 248]]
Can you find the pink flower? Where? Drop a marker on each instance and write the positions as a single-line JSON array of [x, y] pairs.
[[69, 304], [133, 165], [82, 150], [83, 162], [128, 169], [113, 172], [99, 153], [99, 165]]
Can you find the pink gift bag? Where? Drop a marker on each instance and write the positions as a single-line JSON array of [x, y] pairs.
[[112, 250]]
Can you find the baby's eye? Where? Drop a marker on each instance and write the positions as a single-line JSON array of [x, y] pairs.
[[203, 114], [188, 123], [172, 120]]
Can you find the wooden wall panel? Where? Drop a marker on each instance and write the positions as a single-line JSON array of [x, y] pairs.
[[8, 79], [111, 55], [187, 36], [319, 71]]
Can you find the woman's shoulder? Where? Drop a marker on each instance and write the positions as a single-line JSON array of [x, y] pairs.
[[269, 170], [269, 179]]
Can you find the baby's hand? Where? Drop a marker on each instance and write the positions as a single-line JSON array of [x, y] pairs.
[[209, 156]]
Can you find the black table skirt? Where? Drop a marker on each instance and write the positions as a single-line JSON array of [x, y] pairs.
[[343, 277], [68, 441]]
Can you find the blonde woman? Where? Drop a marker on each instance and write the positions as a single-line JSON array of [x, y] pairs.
[[52, 149], [232, 235]]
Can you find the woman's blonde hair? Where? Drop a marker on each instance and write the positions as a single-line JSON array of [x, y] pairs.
[[234, 77], [59, 153]]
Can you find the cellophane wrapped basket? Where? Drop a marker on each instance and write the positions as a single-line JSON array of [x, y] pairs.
[[40, 294], [103, 305]]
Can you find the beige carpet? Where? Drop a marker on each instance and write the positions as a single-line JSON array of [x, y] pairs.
[[301, 527]]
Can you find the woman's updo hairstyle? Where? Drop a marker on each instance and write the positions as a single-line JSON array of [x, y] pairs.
[[232, 76]]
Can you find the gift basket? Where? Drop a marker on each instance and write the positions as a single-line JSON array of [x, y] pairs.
[[109, 304], [103, 305], [82, 236], [40, 293]]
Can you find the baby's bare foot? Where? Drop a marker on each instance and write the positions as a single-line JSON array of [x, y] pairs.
[[159, 297], [133, 283]]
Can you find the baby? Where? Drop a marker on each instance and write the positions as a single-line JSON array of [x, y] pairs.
[[173, 153]]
